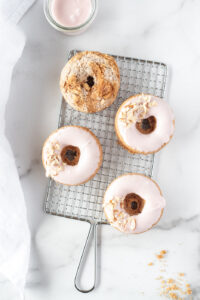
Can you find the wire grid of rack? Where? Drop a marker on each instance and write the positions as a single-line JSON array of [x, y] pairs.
[[84, 202]]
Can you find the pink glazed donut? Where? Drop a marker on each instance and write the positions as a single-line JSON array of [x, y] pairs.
[[72, 155], [144, 124], [133, 203]]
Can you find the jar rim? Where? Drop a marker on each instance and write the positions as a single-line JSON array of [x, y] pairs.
[[52, 21]]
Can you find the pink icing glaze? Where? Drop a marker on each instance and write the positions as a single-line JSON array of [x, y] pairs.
[[145, 188], [90, 154], [153, 141], [71, 13]]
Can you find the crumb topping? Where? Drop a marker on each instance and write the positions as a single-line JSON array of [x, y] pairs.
[[82, 67], [90, 81], [118, 215], [133, 113], [53, 161]]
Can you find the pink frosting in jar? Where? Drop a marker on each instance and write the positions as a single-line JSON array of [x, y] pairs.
[[71, 13]]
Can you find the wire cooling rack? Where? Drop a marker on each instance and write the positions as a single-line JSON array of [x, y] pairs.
[[84, 202]]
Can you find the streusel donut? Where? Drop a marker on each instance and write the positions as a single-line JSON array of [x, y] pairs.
[[90, 81], [133, 203], [144, 124], [72, 155]]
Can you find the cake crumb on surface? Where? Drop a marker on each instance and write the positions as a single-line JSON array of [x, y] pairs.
[[173, 296], [170, 280], [174, 287], [189, 291], [161, 254]]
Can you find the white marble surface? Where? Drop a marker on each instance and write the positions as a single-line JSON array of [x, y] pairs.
[[166, 31]]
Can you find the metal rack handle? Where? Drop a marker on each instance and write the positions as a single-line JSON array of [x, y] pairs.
[[92, 236]]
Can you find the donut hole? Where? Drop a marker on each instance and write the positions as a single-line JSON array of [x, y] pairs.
[[147, 125], [90, 81], [133, 204], [70, 155]]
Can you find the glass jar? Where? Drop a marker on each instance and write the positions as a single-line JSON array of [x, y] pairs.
[[69, 30]]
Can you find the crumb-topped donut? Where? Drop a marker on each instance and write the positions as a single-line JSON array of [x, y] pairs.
[[72, 155], [144, 124], [90, 81], [133, 203]]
